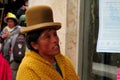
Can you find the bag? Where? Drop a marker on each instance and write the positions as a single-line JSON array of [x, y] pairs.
[[19, 48]]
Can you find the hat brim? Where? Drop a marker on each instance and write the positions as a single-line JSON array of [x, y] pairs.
[[53, 25], [6, 19]]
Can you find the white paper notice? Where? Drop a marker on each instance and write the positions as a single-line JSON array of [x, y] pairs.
[[109, 26]]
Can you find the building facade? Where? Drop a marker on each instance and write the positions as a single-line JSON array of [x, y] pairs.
[[78, 37]]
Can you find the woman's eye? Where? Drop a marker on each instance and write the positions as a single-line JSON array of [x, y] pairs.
[[47, 36]]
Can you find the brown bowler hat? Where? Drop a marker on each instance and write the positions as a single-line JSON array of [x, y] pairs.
[[39, 17]]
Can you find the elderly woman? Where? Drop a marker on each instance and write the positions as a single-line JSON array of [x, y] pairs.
[[43, 61]]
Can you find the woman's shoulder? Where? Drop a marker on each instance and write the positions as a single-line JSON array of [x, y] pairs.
[[63, 58]]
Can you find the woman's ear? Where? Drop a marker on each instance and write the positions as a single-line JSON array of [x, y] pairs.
[[34, 45]]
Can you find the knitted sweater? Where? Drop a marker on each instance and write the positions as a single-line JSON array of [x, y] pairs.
[[34, 67]]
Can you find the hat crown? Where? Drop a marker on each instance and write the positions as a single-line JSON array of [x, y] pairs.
[[38, 15], [10, 15]]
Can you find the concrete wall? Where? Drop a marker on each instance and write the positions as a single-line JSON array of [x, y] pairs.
[[66, 12], [72, 31]]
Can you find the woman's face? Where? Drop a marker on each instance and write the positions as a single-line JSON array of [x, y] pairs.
[[48, 43], [10, 23]]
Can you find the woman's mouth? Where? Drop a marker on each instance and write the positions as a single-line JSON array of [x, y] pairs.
[[56, 47]]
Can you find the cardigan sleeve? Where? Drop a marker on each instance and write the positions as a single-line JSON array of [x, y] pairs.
[[71, 69], [26, 74]]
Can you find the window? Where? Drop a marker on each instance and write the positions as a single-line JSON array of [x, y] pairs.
[[95, 66]]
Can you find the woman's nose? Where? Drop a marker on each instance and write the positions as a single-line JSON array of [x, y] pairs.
[[55, 39]]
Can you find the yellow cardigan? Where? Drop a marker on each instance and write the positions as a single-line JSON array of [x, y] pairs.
[[34, 67]]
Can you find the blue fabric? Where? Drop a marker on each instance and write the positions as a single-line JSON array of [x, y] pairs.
[[58, 69]]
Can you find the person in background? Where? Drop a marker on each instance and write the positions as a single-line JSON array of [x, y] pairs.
[[11, 22], [21, 14], [8, 33], [43, 60], [5, 70], [22, 10]]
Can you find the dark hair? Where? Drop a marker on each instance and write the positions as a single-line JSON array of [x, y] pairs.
[[33, 37], [25, 0]]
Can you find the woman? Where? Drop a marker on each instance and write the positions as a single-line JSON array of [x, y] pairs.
[[12, 24], [43, 61], [7, 35], [12, 27]]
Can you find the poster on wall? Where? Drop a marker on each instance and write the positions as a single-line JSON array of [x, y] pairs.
[[109, 26]]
